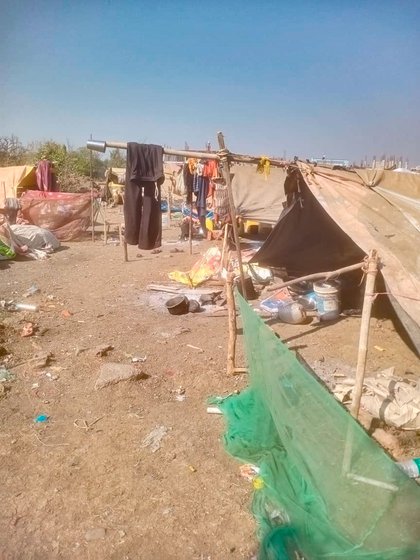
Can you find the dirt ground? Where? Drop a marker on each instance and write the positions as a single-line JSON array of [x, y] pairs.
[[81, 485]]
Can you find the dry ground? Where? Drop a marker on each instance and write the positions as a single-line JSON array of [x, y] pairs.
[[85, 468]]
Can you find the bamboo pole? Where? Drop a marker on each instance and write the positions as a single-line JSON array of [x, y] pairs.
[[317, 276], [231, 350], [102, 145], [224, 156], [371, 272]]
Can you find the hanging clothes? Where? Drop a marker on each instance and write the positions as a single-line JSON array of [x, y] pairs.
[[188, 181], [142, 200], [45, 176]]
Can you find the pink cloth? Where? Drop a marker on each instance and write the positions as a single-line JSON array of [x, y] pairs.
[[45, 177]]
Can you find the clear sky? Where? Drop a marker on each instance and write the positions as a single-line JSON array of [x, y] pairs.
[[340, 78]]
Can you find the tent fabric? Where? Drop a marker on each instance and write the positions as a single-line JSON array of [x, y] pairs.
[[256, 196], [14, 178], [305, 236], [66, 215]]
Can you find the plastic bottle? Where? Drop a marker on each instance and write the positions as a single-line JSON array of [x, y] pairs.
[[411, 467]]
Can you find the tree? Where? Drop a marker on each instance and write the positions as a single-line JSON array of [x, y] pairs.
[[12, 151], [116, 158]]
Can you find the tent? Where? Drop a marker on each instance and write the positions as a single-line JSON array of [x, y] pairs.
[[333, 218], [13, 180]]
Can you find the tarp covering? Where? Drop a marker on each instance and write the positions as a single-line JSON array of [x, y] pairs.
[[66, 215], [14, 178], [258, 197], [306, 239], [325, 488]]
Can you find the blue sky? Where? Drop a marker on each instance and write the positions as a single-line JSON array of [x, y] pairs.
[[340, 78]]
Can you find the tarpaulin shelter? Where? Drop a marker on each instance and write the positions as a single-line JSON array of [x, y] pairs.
[[15, 179], [66, 215], [257, 196], [334, 217]]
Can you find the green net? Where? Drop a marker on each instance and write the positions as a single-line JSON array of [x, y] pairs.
[[326, 489]]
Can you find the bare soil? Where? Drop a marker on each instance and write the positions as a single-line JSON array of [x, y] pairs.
[[81, 486]]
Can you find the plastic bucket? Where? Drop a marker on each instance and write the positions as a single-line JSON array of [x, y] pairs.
[[327, 299]]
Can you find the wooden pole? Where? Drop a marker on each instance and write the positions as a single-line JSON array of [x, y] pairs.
[[317, 276], [240, 158], [371, 272], [225, 243], [190, 227], [230, 300], [224, 157], [92, 212]]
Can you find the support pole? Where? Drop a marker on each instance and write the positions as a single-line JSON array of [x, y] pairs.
[[224, 157], [92, 212], [230, 300], [190, 227], [371, 272]]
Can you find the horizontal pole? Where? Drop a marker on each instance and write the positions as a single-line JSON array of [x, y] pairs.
[[102, 145]]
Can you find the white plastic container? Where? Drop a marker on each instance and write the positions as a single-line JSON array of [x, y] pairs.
[[328, 299], [411, 467]]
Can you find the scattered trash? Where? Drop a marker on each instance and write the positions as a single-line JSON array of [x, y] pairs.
[[28, 329], [206, 267], [155, 251], [41, 418], [52, 376], [84, 424], [249, 472], [176, 250], [31, 291], [180, 394], [6, 375], [13, 306], [66, 313], [103, 349], [379, 348], [192, 468], [138, 359], [393, 399], [154, 438], [195, 348], [214, 410], [112, 373], [95, 534]]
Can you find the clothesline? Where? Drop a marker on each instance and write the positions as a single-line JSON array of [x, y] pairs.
[[102, 145]]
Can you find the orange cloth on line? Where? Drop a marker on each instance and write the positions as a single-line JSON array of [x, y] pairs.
[[211, 169], [192, 164]]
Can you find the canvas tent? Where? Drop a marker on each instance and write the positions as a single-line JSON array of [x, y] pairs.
[[334, 218], [257, 196], [13, 180]]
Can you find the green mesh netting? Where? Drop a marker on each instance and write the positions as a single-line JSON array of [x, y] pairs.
[[328, 490]]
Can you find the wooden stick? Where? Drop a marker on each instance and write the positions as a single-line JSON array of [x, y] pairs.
[[125, 250], [230, 299], [317, 276], [224, 246], [226, 174], [190, 227], [372, 271]]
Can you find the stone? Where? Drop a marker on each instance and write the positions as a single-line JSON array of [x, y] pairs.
[[112, 373]]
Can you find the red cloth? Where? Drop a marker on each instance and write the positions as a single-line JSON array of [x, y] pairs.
[[45, 176]]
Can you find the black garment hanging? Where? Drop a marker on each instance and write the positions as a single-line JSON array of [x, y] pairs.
[[142, 200]]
